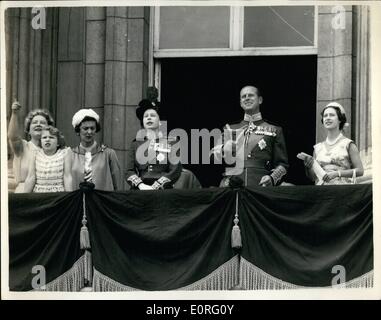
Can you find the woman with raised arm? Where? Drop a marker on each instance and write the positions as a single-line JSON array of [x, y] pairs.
[[24, 149]]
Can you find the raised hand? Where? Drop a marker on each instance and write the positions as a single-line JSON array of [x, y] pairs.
[[16, 105]]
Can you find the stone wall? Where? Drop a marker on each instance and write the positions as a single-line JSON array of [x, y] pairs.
[[343, 76], [30, 60], [98, 57], [103, 64], [334, 79]]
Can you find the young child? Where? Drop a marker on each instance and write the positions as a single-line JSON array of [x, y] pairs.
[[49, 170]]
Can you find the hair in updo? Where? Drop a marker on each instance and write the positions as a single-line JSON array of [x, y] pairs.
[[37, 112], [341, 116]]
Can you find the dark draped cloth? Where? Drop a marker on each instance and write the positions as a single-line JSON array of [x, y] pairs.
[[298, 234], [160, 240], [182, 239], [43, 231]]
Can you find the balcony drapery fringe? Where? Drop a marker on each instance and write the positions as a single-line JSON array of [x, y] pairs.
[[224, 277], [364, 281], [73, 279], [254, 278], [237, 273], [88, 266], [102, 282]]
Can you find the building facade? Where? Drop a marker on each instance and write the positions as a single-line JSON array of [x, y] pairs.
[[199, 57]]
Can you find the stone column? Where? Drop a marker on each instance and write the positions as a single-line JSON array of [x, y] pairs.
[[70, 69], [361, 120], [30, 60], [30, 65], [81, 66], [334, 76], [126, 75], [94, 62]]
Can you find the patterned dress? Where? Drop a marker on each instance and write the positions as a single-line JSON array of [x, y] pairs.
[[49, 172], [333, 158]]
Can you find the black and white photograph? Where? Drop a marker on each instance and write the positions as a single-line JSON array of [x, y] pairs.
[[190, 150]]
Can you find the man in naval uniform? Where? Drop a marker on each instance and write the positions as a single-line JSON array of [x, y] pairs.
[[256, 147]]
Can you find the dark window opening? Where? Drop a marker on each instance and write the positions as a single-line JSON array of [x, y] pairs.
[[201, 93]]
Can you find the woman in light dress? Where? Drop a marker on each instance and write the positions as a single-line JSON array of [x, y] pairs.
[[24, 149], [337, 155]]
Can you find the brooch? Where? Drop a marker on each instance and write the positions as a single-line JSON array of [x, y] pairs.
[[160, 147], [160, 157], [262, 144]]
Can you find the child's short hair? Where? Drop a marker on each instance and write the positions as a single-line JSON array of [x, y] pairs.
[[60, 138]]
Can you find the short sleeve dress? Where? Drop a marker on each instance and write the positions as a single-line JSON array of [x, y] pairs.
[[50, 172], [335, 157]]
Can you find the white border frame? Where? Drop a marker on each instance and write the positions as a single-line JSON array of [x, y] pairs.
[[302, 294]]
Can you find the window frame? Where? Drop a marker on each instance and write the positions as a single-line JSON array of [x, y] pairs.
[[236, 47]]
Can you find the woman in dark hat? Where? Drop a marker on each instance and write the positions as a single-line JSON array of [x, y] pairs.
[[152, 163]]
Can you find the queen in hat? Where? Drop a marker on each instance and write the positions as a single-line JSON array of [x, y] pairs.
[[91, 161], [337, 155], [152, 163]]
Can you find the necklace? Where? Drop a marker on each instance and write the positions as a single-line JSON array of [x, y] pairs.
[[331, 143], [87, 149]]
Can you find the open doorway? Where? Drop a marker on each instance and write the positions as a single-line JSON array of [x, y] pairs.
[[201, 93]]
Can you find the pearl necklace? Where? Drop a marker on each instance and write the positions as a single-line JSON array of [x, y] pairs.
[[334, 141]]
